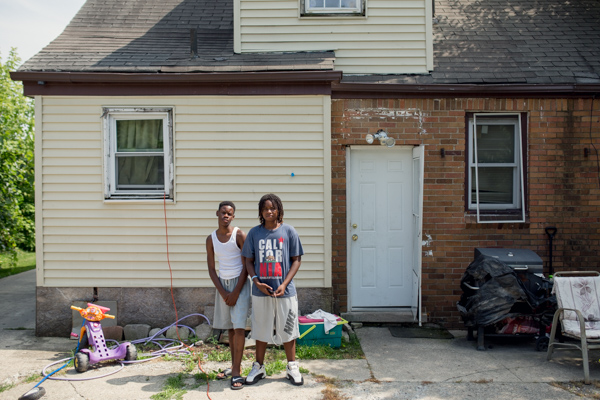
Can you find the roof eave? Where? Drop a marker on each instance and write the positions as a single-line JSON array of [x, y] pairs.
[[229, 77], [379, 90], [103, 83]]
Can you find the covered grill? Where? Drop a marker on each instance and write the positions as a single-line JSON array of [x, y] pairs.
[[502, 286]]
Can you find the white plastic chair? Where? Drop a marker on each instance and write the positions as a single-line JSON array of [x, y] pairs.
[[578, 309]]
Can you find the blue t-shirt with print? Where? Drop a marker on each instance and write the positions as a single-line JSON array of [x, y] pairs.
[[272, 251]]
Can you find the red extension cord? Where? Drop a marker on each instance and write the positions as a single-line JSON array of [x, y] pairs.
[[173, 298]]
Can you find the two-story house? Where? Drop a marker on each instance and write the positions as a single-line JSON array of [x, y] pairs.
[[400, 135]]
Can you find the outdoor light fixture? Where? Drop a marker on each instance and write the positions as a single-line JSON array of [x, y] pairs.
[[384, 139]]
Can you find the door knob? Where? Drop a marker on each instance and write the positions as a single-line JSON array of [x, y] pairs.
[[355, 237], [354, 226]]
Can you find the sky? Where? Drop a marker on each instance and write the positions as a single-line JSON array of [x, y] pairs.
[[29, 25]]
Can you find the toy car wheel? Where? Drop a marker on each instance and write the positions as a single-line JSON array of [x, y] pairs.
[[131, 354], [82, 362]]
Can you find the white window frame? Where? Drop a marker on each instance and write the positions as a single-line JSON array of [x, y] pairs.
[[518, 201], [306, 10], [110, 117]]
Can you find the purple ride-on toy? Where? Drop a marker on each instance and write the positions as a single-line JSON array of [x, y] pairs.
[[91, 334]]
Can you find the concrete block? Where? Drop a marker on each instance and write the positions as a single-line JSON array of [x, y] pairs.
[[209, 312], [152, 306], [172, 333], [203, 332], [311, 299], [53, 313], [113, 333], [356, 325], [154, 331], [136, 331], [250, 343], [224, 338]]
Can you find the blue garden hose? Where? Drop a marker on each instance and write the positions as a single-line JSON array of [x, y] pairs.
[[37, 392]]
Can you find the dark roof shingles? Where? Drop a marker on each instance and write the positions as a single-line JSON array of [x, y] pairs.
[[475, 42], [512, 42], [155, 36]]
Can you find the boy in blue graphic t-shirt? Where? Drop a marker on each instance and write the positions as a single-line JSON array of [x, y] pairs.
[[273, 255]]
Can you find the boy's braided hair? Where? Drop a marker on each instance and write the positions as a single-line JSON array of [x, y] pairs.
[[276, 201]]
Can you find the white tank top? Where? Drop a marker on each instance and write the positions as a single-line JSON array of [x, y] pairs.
[[229, 256]]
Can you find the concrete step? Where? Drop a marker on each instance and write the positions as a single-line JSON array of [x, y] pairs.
[[402, 316]]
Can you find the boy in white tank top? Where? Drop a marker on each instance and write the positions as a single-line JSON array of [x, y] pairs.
[[232, 300]]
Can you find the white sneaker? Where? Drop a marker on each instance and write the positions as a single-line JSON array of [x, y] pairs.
[[257, 373], [293, 373]]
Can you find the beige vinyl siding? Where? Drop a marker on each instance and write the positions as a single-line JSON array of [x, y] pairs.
[[225, 148], [395, 37]]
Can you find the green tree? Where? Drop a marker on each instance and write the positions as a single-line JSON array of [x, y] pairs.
[[17, 212]]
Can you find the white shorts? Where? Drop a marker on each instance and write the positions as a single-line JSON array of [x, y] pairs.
[[270, 313], [232, 317]]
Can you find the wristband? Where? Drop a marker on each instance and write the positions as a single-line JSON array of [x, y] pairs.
[[255, 276]]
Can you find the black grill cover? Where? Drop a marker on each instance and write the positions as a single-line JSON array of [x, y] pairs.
[[500, 293]]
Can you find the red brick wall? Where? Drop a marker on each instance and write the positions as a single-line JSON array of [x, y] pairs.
[[563, 186]]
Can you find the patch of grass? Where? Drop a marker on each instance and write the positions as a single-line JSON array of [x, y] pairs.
[[275, 367], [33, 378], [271, 368], [174, 388], [201, 377], [6, 386], [25, 262], [213, 340], [351, 350], [218, 354], [189, 363]]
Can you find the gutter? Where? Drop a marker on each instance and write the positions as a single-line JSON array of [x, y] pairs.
[[212, 77], [172, 84]]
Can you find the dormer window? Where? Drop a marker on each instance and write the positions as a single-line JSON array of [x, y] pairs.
[[332, 7]]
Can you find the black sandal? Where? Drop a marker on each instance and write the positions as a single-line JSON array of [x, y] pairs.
[[235, 380]]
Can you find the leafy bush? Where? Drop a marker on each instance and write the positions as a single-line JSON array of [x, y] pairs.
[[17, 222]]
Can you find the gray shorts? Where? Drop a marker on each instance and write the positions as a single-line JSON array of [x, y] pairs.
[[270, 313], [232, 317]]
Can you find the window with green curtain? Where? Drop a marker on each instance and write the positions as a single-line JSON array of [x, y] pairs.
[[139, 155]]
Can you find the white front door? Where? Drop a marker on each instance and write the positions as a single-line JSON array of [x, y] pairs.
[[381, 228]]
